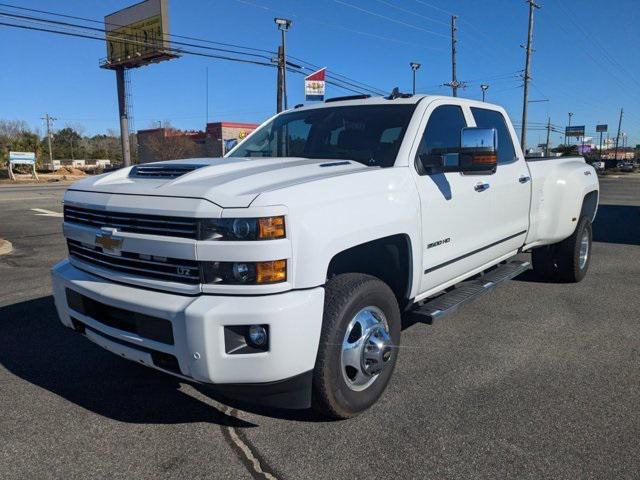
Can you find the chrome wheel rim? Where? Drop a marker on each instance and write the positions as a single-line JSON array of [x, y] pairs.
[[584, 249], [366, 348]]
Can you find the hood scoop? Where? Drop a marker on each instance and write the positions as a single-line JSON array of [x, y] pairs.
[[167, 170]]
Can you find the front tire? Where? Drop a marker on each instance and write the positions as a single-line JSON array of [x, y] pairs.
[[358, 345]]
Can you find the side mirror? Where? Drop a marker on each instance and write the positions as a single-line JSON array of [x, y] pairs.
[[478, 153], [478, 150]]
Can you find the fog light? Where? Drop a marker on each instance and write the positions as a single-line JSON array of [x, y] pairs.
[[257, 335]]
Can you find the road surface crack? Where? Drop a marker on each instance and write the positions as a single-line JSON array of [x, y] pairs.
[[246, 452]]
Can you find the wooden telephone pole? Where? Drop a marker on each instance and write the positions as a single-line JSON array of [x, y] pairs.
[[527, 76], [48, 121], [454, 84]]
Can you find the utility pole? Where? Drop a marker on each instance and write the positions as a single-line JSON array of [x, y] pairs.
[[206, 97], [124, 120], [615, 154], [49, 120], [283, 25], [454, 81], [484, 88], [546, 150], [279, 82], [600, 150], [414, 66], [527, 76]]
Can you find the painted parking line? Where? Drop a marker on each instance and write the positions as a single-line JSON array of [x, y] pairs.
[[41, 212]]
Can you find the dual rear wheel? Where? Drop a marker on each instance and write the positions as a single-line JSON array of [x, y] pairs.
[[568, 260]]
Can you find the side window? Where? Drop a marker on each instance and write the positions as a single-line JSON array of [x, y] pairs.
[[442, 135], [491, 119]]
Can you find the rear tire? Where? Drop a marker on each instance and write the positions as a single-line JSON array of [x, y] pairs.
[[358, 345], [568, 260], [574, 253], [544, 264]]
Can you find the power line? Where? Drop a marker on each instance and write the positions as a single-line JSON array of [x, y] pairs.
[[346, 29], [594, 40], [411, 12], [399, 22], [80, 35], [613, 73], [435, 8], [57, 22], [74, 17], [335, 82], [347, 80]]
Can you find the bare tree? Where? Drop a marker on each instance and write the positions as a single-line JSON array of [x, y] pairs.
[[169, 145]]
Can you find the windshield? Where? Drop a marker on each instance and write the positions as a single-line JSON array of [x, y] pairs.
[[369, 134]]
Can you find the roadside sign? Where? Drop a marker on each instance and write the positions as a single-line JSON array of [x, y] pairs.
[[314, 86], [602, 128], [574, 131], [22, 158]]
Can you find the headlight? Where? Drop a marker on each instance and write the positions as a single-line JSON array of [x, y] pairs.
[[266, 228], [245, 273]]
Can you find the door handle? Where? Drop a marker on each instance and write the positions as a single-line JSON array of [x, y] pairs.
[[524, 179], [481, 187]]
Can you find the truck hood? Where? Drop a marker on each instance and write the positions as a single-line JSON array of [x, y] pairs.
[[226, 182]]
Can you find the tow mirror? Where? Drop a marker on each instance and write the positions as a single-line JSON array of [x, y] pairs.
[[478, 150], [478, 153]]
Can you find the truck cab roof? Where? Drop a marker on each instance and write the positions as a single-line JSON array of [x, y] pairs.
[[354, 100]]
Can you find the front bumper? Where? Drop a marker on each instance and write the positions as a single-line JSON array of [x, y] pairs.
[[197, 323]]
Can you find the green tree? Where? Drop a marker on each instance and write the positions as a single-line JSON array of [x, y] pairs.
[[68, 143], [15, 135]]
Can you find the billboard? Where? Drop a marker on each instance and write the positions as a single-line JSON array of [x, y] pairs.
[[602, 128], [314, 86], [574, 131], [138, 35]]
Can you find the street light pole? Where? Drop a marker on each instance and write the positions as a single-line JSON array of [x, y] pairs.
[[283, 25], [414, 66], [484, 88]]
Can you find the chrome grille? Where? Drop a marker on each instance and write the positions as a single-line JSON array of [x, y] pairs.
[[151, 266], [133, 222]]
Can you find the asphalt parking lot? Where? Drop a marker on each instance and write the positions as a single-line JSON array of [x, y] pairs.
[[535, 380]]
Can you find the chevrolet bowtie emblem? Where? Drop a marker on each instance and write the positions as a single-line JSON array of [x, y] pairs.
[[107, 242]]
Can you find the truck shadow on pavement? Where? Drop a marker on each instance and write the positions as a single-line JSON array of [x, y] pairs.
[[37, 348], [617, 224]]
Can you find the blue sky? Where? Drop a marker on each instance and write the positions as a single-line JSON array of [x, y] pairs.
[[586, 59]]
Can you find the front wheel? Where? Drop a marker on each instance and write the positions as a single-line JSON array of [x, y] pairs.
[[358, 345]]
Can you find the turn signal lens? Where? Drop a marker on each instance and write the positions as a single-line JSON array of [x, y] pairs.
[[484, 159], [271, 272], [270, 228]]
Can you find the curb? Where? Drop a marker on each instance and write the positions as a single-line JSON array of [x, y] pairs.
[[5, 247]]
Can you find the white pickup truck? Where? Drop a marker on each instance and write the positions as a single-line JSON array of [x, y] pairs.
[[280, 272]]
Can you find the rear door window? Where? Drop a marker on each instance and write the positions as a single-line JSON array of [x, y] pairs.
[[492, 119]]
